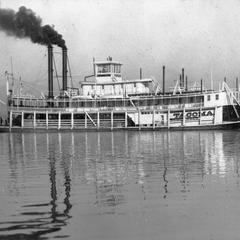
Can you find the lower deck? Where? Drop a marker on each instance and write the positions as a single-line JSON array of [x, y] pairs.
[[140, 119]]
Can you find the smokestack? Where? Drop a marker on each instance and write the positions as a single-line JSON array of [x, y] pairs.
[[140, 73], [180, 80], [50, 71], [183, 77], [64, 69], [225, 79], [201, 85], [163, 80], [237, 84]]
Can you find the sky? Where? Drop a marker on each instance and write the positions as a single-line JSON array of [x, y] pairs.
[[199, 36]]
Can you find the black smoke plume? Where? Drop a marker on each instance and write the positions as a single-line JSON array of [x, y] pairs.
[[25, 24]]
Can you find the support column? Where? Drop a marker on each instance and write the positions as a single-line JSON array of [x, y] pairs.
[[98, 120], [22, 120], [126, 124], [85, 120], [168, 118], [111, 120], [139, 119], [183, 120], [34, 119], [72, 120], [200, 111], [59, 120], [47, 120], [153, 119], [10, 120], [214, 119]]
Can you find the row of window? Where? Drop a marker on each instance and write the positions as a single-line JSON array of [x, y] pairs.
[[106, 102]]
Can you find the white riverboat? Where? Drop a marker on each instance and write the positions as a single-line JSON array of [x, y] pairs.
[[105, 101]]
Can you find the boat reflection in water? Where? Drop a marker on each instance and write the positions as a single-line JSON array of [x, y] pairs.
[[46, 217], [91, 175]]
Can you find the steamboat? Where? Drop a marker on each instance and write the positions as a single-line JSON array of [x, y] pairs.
[[106, 101]]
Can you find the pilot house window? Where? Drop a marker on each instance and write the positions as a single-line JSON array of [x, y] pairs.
[[104, 68]]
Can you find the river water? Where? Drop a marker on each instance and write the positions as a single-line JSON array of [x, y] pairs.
[[120, 185]]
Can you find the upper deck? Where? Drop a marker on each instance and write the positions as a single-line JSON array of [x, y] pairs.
[[107, 80]]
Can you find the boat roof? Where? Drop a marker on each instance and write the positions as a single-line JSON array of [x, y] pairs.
[[107, 62], [118, 82]]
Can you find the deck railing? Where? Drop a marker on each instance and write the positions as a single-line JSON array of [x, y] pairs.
[[104, 103]]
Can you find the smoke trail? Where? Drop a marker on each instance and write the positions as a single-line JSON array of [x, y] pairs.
[[25, 24]]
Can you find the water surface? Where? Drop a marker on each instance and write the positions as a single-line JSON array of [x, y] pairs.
[[120, 185]]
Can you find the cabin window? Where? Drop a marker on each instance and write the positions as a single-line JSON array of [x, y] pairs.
[[104, 68], [209, 97], [217, 96], [117, 68]]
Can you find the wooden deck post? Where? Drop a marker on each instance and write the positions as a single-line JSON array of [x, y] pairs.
[[214, 118], [139, 119], [10, 120], [47, 119], [183, 120], [59, 120], [22, 120], [126, 124], [168, 118], [72, 120], [98, 120], [200, 111], [153, 119], [111, 120], [34, 119], [85, 120]]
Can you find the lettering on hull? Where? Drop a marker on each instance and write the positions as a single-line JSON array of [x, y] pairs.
[[191, 114]]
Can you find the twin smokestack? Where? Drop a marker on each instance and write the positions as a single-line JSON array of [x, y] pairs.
[[26, 24], [50, 70]]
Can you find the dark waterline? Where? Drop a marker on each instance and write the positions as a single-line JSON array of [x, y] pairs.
[[120, 185]]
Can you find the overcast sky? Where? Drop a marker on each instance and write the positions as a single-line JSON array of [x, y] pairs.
[[201, 36]]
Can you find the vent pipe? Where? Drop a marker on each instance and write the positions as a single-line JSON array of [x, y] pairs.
[[64, 69], [50, 71], [186, 84], [182, 85]]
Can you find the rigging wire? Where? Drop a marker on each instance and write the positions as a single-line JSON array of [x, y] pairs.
[[70, 72]]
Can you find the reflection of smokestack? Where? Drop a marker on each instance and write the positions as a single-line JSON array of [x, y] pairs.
[[64, 69], [50, 71]]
